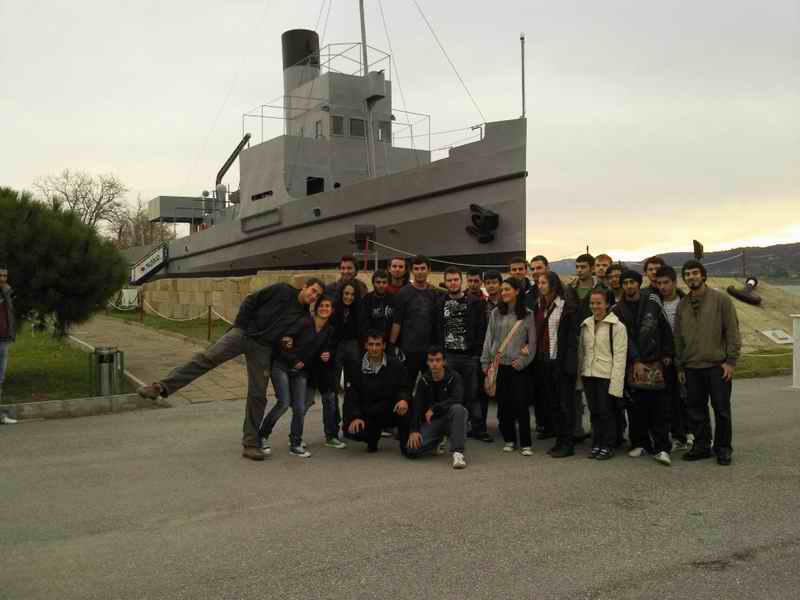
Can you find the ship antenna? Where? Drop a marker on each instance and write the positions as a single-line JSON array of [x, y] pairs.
[[522, 51], [368, 120]]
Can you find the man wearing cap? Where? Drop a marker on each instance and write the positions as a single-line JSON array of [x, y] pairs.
[[650, 348]]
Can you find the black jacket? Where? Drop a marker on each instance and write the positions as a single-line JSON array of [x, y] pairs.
[[567, 353], [476, 323], [452, 393], [307, 343], [530, 293], [265, 315], [369, 395], [8, 305], [649, 333], [376, 312]]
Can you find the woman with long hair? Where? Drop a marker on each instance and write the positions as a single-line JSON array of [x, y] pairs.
[[511, 328], [556, 360], [345, 321]]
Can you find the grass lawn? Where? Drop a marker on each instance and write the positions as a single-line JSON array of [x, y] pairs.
[[764, 364], [43, 368], [196, 328]]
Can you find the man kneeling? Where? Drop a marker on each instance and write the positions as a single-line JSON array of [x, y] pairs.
[[376, 395], [438, 411]]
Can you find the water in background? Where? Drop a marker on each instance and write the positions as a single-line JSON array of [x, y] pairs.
[[792, 289]]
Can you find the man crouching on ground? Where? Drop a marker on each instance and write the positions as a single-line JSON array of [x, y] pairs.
[[438, 411], [376, 395]]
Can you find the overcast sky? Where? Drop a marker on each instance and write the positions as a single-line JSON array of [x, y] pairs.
[[650, 123]]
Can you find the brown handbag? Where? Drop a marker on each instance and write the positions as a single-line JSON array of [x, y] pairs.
[[490, 382], [652, 378]]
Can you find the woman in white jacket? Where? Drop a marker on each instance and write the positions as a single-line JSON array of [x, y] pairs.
[[602, 354]]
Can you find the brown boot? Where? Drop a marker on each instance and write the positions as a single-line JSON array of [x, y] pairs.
[[152, 391], [253, 453]]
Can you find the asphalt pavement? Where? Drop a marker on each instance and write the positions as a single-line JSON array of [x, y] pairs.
[[159, 504]]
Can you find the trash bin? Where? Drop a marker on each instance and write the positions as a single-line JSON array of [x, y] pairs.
[[106, 371]]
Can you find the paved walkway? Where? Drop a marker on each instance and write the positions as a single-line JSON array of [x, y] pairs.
[[150, 355]]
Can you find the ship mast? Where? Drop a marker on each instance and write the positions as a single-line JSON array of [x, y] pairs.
[[368, 130]]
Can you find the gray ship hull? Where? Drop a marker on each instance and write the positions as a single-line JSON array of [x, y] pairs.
[[424, 210]]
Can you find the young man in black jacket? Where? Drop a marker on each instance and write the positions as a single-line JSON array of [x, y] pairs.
[[460, 329], [438, 411], [376, 395], [377, 307], [649, 341], [263, 319]]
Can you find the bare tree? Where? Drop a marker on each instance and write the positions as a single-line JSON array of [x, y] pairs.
[[94, 198], [130, 226]]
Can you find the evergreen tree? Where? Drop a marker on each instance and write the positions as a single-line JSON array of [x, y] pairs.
[[58, 266]]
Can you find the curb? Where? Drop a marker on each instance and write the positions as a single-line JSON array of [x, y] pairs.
[[78, 407]]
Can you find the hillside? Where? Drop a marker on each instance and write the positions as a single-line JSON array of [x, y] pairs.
[[780, 262]]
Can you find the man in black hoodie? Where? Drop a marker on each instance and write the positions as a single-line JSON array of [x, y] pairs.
[[376, 395], [263, 320], [649, 341], [438, 410], [377, 307]]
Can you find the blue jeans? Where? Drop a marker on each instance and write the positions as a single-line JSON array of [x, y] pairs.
[[291, 389], [4, 348], [331, 417]]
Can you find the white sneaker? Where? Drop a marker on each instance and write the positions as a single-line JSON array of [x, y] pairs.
[[509, 447], [637, 452], [663, 458], [526, 451], [335, 443], [299, 451], [458, 461], [266, 448], [6, 420], [690, 440], [679, 446]]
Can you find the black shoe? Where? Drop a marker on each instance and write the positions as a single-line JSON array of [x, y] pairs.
[[553, 449], [604, 454], [562, 452], [696, 454], [724, 458], [581, 438], [485, 437], [594, 453], [545, 435]]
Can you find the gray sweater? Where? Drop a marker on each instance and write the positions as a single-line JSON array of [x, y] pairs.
[[499, 326]]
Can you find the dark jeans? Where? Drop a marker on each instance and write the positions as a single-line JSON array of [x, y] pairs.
[[371, 433], [512, 405], [678, 415], [331, 416], [347, 352], [468, 367], [416, 362], [453, 424], [649, 422], [259, 364], [291, 389], [544, 394], [703, 384], [602, 408], [561, 392], [483, 402]]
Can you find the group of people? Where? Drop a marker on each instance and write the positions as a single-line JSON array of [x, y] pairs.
[[421, 363]]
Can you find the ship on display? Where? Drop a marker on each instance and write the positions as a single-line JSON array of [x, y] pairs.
[[348, 176]]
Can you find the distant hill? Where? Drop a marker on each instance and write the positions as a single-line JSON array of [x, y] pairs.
[[775, 263]]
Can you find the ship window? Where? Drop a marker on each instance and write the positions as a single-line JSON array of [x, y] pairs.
[[337, 125], [357, 128], [384, 131], [314, 185], [261, 195], [317, 130]]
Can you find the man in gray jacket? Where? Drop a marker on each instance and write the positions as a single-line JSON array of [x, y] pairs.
[[7, 333]]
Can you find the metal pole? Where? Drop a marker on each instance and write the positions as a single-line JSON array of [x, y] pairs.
[[796, 356], [363, 37], [522, 51]]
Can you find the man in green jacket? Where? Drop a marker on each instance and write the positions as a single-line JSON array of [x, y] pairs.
[[707, 346]]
